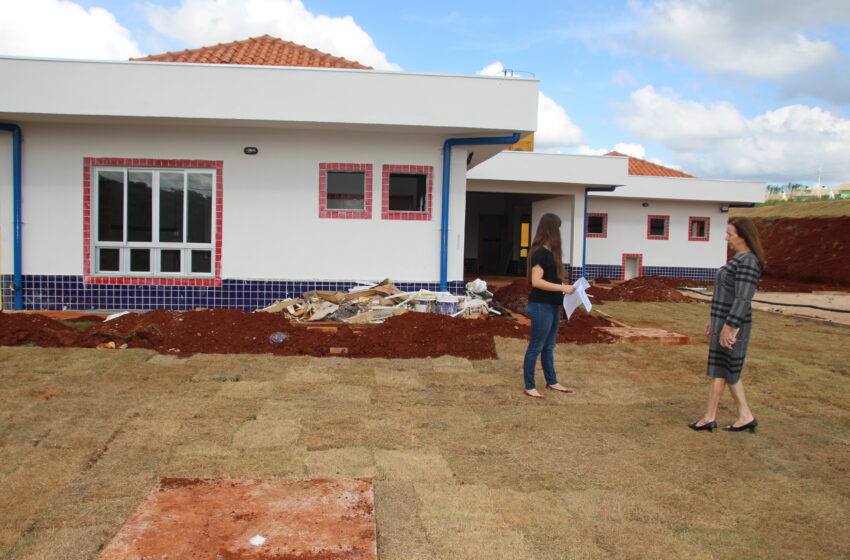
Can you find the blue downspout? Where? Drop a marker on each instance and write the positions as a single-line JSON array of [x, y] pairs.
[[584, 228], [16, 209], [447, 158]]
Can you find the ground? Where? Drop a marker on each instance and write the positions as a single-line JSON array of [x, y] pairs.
[[464, 466]]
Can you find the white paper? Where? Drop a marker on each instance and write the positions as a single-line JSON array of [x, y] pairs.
[[578, 297], [257, 540]]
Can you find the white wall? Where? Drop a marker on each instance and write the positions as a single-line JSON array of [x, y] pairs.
[[271, 226], [562, 207], [627, 228]]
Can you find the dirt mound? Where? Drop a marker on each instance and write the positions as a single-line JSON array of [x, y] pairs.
[[805, 254], [231, 331], [645, 288]]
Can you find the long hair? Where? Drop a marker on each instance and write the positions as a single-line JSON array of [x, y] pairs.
[[747, 231], [548, 233]]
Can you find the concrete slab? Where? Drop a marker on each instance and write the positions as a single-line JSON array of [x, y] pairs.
[[248, 519]]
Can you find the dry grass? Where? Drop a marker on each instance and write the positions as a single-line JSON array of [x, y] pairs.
[[464, 465], [813, 209]]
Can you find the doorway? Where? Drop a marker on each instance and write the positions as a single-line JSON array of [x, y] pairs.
[[632, 266]]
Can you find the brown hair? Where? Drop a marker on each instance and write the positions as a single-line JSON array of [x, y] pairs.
[[747, 231], [548, 233]]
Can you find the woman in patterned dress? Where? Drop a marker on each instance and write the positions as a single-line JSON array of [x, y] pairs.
[[731, 323]]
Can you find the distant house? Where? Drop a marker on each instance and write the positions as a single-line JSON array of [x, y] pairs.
[[223, 177]]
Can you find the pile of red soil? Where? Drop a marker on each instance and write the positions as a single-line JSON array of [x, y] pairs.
[[645, 288], [805, 254], [231, 331]]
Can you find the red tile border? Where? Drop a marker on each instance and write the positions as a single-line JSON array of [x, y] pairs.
[[90, 162], [324, 212], [386, 213], [640, 264], [707, 221], [666, 227], [604, 217]]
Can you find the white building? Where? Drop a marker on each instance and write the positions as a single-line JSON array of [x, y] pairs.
[[152, 184]]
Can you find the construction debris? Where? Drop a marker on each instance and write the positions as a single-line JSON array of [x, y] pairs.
[[374, 303]]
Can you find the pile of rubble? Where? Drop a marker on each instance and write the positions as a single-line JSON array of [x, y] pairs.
[[374, 303]]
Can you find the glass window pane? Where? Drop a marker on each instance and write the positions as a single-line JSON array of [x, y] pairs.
[[595, 224], [202, 261], [171, 207], [346, 190], [109, 260], [407, 192], [139, 205], [140, 260], [169, 260], [698, 228], [200, 208], [657, 227], [110, 206]]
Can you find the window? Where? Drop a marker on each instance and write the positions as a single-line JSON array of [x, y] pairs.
[[597, 225], [658, 227], [698, 229], [152, 220], [345, 190], [407, 192]]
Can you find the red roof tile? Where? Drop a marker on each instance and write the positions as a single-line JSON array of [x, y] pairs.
[[264, 51], [639, 166]]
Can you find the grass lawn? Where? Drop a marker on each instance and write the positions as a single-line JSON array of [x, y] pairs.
[[464, 465]]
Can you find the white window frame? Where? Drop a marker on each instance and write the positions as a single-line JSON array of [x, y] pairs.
[[155, 246]]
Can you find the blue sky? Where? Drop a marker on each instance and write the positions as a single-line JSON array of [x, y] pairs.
[[729, 89]]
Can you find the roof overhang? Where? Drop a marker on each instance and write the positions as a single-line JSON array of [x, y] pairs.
[[107, 91], [691, 189], [535, 172]]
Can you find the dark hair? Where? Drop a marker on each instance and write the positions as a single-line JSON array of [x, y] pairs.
[[747, 231], [548, 233]]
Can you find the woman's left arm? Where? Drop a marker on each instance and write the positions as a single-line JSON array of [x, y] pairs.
[[747, 275]]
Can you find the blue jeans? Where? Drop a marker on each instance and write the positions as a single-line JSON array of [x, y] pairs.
[[545, 318]]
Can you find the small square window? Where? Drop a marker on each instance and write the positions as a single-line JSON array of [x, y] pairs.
[[140, 260], [109, 260], [407, 192], [346, 190], [169, 260], [698, 229], [202, 262], [597, 225], [658, 227]]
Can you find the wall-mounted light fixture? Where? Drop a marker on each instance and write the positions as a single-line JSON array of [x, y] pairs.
[[645, 204], [251, 150], [724, 207]]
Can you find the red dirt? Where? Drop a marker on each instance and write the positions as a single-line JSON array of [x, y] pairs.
[[320, 519], [231, 331], [805, 254]]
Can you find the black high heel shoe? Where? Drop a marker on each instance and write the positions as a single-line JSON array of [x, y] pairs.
[[751, 426], [707, 426]]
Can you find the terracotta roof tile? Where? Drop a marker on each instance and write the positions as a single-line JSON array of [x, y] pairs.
[[639, 166], [264, 51]]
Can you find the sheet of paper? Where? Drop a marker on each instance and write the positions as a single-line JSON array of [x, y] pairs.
[[578, 297]]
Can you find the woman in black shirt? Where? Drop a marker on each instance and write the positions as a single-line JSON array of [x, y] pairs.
[[546, 276]]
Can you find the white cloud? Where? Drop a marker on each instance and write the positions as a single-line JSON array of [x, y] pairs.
[[555, 129], [62, 29], [207, 22], [716, 140], [584, 150], [634, 150], [679, 124], [756, 38]]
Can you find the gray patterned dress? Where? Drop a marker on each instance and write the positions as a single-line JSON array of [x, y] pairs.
[[732, 304]]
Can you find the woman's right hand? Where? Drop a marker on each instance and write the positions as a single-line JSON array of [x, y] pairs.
[[708, 328], [567, 288]]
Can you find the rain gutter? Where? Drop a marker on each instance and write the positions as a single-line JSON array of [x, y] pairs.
[[584, 228], [16, 209], [447, 159]]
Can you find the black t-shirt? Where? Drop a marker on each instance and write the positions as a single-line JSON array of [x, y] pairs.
[[543, 257]]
